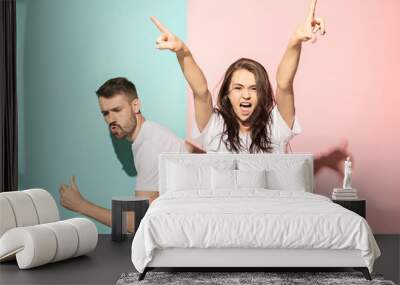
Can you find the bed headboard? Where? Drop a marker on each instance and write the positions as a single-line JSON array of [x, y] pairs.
[[276, 162]]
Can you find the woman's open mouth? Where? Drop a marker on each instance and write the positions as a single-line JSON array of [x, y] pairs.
[[245, 108]]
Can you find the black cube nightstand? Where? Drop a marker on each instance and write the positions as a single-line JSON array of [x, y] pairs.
[[358, 206], [120, 205]]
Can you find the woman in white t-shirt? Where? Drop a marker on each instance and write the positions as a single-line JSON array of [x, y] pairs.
[[245, 121], [247, 118]]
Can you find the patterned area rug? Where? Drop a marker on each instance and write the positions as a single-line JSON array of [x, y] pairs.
[[270, 278]]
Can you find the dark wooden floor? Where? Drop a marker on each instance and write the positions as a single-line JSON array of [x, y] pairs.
[[110, 260], [102, 266]]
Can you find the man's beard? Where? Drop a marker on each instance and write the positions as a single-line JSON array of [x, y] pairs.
[[120, 132]]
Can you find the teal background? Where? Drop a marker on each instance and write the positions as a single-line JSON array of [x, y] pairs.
[[65, 51]]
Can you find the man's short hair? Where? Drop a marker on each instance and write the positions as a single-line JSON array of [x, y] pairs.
[[118, 85]]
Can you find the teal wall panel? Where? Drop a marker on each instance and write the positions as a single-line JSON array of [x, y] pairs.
[[65, 51]]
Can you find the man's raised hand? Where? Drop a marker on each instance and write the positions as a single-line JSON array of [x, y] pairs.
[[312, 24], [167, 40], [70, 196]]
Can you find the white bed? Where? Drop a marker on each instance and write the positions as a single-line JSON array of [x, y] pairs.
[[228, 210]]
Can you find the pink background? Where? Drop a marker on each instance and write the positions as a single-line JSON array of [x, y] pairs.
[[345, 87]]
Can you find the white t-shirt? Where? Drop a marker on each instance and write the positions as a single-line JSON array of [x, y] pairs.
[[152, 140], [210, 137]]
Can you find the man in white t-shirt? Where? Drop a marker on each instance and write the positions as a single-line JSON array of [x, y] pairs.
[[120, 106]]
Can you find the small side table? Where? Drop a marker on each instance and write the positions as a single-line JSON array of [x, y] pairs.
[[357, 206], [120, 205]]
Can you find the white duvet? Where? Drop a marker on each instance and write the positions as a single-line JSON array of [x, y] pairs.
[[253, 218]]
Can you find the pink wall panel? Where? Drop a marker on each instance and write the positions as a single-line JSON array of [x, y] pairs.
[[346, 86]]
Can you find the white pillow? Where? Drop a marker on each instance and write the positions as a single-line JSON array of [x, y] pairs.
[[183, 177], [280, 174], [251, 178], [293, 178], [223, 179]]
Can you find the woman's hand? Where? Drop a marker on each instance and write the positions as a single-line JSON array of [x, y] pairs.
[[192, 72], [167, 40], [307, 30]]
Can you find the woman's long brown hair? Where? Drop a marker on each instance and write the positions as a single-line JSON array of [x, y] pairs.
[[259, 121]]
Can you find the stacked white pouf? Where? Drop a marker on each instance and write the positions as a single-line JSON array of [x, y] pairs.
[[31, 232]]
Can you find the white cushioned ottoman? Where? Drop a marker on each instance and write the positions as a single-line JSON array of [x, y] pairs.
[[31, 232]]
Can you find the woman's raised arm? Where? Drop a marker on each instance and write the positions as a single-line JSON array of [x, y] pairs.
[[192, 72], [290, 61]]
